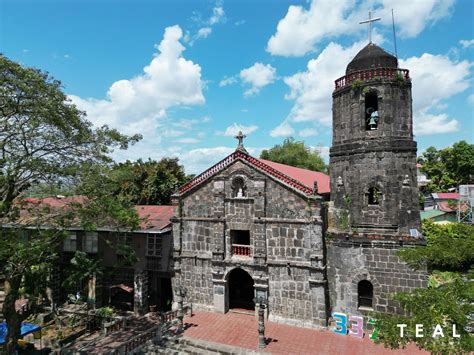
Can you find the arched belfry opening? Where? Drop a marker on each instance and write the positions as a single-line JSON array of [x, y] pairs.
[[241, 290], [371, 111], [373, 196]]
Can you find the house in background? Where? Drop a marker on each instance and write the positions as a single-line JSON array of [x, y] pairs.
[[421, 178], [125, 286]]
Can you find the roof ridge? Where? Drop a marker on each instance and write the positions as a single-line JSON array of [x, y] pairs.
[[257, 163]]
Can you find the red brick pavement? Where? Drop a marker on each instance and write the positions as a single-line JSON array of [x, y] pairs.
[[241, 330]]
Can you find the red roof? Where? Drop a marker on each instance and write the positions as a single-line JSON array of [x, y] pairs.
[[156, 217], [296, 178], [445, 206], [153, 217], [55, 201], [446, 195], [307, 177]]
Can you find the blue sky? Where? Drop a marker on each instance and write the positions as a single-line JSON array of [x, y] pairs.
[[188, 74]]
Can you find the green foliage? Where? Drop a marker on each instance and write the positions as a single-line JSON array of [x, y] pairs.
[[296, 154], [46, 141], [447, 304], [357, 85], [449, 298], [448, 167], [105, 313], [449, 247], [148, 183], [81, 269]]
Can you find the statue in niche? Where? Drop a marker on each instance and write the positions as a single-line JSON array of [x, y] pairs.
[[238, 187]]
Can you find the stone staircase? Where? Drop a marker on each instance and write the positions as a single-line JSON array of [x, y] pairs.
[[176, 345]]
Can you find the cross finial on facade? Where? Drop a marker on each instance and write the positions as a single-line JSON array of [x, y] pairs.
[[240, 137], [369, 21]]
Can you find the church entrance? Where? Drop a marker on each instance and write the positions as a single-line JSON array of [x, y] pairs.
[[241, 291]]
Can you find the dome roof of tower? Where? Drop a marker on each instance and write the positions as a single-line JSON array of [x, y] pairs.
[[371, 57]]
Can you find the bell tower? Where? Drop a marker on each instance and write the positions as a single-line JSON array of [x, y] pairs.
[[373, 154]]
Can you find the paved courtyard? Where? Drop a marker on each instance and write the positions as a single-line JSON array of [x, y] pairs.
[[241, 330]]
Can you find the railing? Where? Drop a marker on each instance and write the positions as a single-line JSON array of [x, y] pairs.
[[139, 340], [240, 250], [371, 74]]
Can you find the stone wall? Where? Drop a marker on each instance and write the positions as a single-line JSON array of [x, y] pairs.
[[286, 245], [383, 159], [350, 261]]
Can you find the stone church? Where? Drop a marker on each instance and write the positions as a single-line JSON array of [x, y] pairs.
[[247, 227]]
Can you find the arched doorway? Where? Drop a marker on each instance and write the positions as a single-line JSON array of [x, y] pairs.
[[241, 292]]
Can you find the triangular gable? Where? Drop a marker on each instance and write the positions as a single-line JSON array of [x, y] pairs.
[[255, 163]]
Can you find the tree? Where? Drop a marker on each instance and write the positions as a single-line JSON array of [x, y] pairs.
[[296, 154], [45, 139], [448, 167], [149, 183], [449, 298]]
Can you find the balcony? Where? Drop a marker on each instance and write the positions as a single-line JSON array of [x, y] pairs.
[[372, 74], [241, 250]]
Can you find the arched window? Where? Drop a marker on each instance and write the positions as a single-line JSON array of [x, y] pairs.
[[373, 196], [371, 111], [238, 187], [365, 294]]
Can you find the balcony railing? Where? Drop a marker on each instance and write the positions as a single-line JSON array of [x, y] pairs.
[[240, 250], [372, 74]]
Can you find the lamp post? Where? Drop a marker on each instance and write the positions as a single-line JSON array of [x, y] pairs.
[[181, 293], [262, 302]]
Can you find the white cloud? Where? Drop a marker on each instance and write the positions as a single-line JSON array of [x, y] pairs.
[[218, 15], [257, 76], [200, 159], [187, 140], [466, 43], [284, 129], [470, 99], [204, 32], [311, 90], [136, 105], [234, 129], [228, 80], [435, 78], [426, 124], [308, 132], [302, 29], [239, 23]]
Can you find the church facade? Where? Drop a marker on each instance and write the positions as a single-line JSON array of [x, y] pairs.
[[249, 228]]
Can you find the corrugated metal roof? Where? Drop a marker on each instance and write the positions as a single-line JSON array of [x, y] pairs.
[[445, 195], [430, 214]]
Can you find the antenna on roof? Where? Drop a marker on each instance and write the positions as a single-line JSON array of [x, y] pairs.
[[394, 36]]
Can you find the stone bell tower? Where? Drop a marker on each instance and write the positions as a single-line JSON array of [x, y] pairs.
[[373, 154], [374, 193]]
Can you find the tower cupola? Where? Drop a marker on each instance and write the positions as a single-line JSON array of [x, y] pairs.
[[372, 57]]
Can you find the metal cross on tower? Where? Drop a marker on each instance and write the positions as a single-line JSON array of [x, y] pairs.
[[240, 137], [369, 21]]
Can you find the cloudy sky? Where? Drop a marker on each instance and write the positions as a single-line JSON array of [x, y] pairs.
[[188, 75]]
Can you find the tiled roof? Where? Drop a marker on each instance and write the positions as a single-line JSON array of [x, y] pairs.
[[296, 178], [307, 177], [155, 217]]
